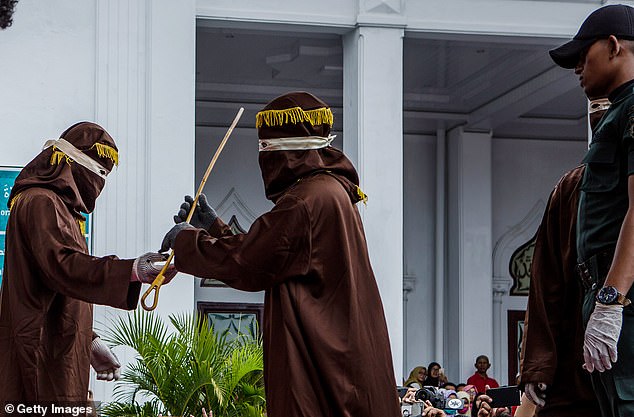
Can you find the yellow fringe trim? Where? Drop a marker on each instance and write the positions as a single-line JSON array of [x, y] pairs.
[[14, 200], [58, 156], [294, 115], [82, 226], [105, 151], [362, 196]]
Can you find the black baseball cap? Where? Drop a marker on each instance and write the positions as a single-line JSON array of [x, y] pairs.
[[615, 19]]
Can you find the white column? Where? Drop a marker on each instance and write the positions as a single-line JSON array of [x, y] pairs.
[[171, 130], [122, 105], [469, 300], [373, 140], [120, 220], [144, 86], [500, 360]]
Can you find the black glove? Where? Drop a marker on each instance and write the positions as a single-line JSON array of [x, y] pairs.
[[204, 215], [170, 237]]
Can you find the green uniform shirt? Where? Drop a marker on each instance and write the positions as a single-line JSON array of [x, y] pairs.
[[609, 161]]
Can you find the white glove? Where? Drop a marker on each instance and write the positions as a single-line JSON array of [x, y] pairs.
[[146, 268], [535, 392], [104, 361], [602, 335]]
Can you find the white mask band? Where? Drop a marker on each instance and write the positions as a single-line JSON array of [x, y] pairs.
[[598, 105], [299, 143], [78, 156]]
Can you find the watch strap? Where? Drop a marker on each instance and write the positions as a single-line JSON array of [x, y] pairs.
[[623, 300]]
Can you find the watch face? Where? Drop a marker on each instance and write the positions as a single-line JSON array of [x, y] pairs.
[[607, 295]]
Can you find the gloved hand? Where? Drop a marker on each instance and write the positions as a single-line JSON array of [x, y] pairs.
[[602, 335], [170, 237], [535, 392], [204, 215], [145, 268], [104, 361]]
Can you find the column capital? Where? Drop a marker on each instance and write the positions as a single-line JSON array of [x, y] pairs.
[[409, 283], [500, 287]]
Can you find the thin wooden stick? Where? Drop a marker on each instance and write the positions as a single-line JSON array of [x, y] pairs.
[[158, 281]]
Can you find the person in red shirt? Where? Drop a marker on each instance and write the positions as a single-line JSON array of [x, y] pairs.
[[480, 379]]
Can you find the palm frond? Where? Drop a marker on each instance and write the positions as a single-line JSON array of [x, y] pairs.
[[189, 368], [117, 409]]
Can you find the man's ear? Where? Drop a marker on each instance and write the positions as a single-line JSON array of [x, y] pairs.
[[615, 47]]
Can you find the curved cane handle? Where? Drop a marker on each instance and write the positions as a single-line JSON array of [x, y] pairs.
[[156, 286]]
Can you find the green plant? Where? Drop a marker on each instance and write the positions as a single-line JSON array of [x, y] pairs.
[[180, 372]]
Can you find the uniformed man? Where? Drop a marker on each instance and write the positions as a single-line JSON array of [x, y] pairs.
[[552, 342], [601, 54]]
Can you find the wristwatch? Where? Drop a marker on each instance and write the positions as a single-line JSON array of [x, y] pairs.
[[609, 295]]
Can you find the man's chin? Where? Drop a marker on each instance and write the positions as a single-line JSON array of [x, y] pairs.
[[593, 93]]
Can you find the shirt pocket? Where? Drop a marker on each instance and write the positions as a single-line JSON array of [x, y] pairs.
[[602, 168]]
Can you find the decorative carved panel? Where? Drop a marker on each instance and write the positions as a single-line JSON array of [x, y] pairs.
[[233, 318], [520, 268], [507, 246]]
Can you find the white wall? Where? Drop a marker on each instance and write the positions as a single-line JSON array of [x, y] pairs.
[[64, 61], [45, 88], [527, 170], [237, 171], [145, 95], [419, 249], [111, 61], [518, 183]]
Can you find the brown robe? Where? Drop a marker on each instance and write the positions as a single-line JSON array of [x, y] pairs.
[[326, 346], [553, 330], [50, 281]]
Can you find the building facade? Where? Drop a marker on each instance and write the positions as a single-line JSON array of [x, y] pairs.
[[455, 117]]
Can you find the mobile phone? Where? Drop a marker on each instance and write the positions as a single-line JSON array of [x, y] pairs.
[[504, 396]]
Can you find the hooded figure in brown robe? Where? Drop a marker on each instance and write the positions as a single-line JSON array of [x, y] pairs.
[[50, 280], [326, 346], [553, 330]]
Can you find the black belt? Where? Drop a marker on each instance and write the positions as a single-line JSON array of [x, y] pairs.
[[593, 270]]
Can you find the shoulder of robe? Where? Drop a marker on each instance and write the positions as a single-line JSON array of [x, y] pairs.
[[39, 204], [41, 197]]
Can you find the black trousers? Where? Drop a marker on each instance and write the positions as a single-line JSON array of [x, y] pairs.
[[614, 388]]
